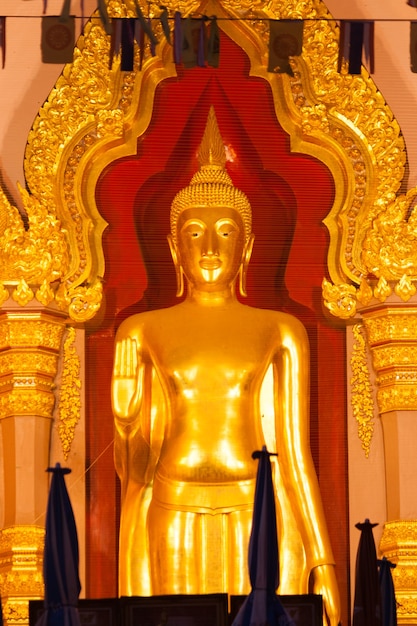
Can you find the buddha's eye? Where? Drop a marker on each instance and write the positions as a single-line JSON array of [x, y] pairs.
[[193, 231], [225, 230]]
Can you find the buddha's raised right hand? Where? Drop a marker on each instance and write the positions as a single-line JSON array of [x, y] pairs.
[[127, 384]]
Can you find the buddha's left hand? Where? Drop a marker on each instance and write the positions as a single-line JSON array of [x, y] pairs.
[[325, 584]]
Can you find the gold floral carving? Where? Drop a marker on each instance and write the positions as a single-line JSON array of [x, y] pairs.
[[109, 123], [392, 336], [389, 252], [361, 389], [27, 329], [30, 345], [23, 294], [382, 290], [391, 324], [405, 288], [21, 561], [314, 118], [69, 397], [364, 294], [45, 293], [401, 354], [340, 299], [389, 248], [399, 545], [32, 255], [398, 397], [32, 361], [4, 294]]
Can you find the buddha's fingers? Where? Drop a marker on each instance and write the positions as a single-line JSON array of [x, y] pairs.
[[126, 358]]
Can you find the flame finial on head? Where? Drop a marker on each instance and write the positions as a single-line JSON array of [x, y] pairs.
[[211, 151], [211, 185]]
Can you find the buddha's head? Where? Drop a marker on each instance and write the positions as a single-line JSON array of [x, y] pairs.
[[211, 207]]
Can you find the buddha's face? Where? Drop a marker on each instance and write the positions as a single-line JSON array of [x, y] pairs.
[[210, 246]]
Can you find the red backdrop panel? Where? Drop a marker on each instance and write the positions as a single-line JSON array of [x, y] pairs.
[[290, 195]]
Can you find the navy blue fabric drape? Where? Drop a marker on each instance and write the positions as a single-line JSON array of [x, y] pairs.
[[61, 558], [367, 603], [262, 606], [388, 601]]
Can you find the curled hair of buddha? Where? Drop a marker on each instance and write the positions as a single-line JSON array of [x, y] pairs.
[[211, 185]]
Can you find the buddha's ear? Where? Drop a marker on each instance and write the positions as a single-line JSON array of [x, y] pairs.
[[178, 267], [247, 252]]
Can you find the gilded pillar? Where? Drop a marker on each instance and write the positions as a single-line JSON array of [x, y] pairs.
[[30, 344], [391, 330]]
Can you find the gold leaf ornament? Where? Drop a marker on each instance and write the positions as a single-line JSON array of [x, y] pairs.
[[405, 288], [36, 254], [85, 301], [364, 293], [390, 244], [69, 401], [361, 398], [340, 300], [382, 290], [23, 294]]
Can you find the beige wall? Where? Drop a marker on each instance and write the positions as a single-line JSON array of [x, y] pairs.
[[25, 81]]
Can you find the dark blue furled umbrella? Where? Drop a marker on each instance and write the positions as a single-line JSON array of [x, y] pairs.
[[263, 607], [367, 603], [388, 601], [60, 564]]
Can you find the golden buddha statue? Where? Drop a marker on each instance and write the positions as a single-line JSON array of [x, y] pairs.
[[186, 395]]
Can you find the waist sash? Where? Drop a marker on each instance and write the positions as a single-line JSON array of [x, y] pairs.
[[211, 498]]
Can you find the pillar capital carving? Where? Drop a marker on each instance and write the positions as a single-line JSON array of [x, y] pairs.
[[392, 337]]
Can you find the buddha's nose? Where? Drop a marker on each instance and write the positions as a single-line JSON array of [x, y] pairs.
[[210, 247]]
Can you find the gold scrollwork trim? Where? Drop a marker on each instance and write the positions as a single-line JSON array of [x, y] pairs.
[[26, 402], [389, 248], [406, 608], [397, 398], [31, 330], [21, 537], [362, 398], [344, 300], [69, 397], [21, 559], [392, 335], [340, 300], [399, 545], [16, 612], [391, 324], [400, 355], [36, 361], [33, 254]]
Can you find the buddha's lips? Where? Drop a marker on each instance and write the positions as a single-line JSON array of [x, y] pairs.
[[210, 264]]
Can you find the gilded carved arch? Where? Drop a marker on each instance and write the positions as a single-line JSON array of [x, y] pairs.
[[95, 114]]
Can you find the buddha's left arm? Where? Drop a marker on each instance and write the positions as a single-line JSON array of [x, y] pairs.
[[292, 406]]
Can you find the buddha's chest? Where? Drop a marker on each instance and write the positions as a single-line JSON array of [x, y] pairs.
[[206, 355]]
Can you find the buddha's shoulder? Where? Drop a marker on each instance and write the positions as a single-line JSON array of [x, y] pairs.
[[137, 324], [277, 323], [273, 316]]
